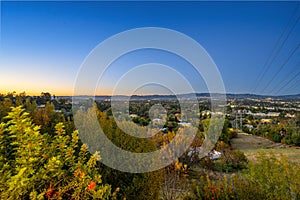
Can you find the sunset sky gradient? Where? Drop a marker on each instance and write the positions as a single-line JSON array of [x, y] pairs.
[[43, 44]]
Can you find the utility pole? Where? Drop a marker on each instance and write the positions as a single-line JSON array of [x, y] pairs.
[[236, 122], [241, 121]]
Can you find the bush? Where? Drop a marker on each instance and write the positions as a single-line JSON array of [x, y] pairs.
[[131, 186], [43, 166], [269, 178]]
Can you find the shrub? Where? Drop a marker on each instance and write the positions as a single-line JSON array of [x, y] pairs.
[[232, 160], [43, 166], [131, 186], [269, 178]]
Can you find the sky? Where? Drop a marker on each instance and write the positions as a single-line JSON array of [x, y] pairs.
[[253, 44]]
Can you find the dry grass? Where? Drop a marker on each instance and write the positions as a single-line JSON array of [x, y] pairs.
[[251, 145]]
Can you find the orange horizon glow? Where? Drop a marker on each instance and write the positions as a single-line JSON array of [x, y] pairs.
[[63, 92], [52, 92]]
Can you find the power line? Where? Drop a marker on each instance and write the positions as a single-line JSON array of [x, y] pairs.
[[297, 83], [283, 80], [267, 64], [281, 67], [294, 77]]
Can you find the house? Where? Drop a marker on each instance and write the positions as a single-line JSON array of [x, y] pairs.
[[133, 115], [184, 124], [288, 115], [249, 126], [157, 121], [266, 120], [214, 155]]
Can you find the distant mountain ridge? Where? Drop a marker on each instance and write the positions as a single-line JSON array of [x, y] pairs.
[[190, 95]]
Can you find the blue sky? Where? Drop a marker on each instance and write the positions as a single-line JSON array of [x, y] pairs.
[[43, 44]]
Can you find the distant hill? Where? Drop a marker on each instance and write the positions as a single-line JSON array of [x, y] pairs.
[[198, 95], [256, 96]]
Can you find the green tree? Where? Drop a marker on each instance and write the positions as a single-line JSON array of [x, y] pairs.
[[46, 96], [5, 107], [132, 186]]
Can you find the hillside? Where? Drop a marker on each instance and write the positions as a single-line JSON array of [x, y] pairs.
[[251, 145]]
